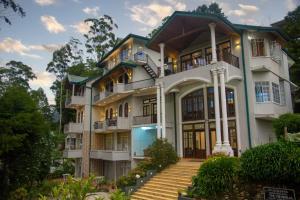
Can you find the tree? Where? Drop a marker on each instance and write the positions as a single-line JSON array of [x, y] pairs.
[[100, 38], [213, 8], [10, 4], [15, 73], [26, 158], [292, 28], [41, 100]]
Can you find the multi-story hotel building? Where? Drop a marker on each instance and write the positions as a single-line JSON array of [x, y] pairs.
[[202, 82]]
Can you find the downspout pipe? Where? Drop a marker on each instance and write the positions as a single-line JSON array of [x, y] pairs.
[[246, 91], [175, 122]]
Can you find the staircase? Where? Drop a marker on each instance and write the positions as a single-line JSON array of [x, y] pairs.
[[150, 71], [165, 185]]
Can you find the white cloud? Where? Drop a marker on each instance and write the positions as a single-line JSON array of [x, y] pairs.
[[10, 45], [291, 4], [45, 2], [91, 11], [152, 14], [249, 21], [244, 10], [46, 47], [52, 25], [81, 27], [44, 79]]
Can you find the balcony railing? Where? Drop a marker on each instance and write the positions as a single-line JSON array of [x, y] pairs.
[[231, 59], [139, 120], [139, 84], [112, 122], [73, 128], [74, 100]]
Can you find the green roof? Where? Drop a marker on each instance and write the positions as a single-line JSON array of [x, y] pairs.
[[236, 27], [129, 64], [77, 79], [122, 42]]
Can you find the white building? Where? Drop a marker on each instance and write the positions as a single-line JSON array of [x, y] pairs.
[[221, 86]]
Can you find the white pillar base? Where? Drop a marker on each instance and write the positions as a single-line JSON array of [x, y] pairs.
[[227, 150], [217, 149]]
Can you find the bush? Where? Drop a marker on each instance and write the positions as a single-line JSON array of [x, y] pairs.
[[67, 167], [216, 175], [275, 163], [291, 121], [118, 195], [161, 154], [19, 194]]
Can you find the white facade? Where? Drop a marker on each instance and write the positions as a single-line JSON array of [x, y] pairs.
[[218, 92]]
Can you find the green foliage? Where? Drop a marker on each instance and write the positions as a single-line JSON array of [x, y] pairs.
[[289, 120], [154, 31], [67, 167], [274, 163], [213, 8], [12, 5], [216, 175], [161, 154], [15, 73], [118, 195], [100, 38], [19, 194], [72, 189], [24, 142]]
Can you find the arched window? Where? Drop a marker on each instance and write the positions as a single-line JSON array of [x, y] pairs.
[[120, 110], [126, 110], [120, 79], [106, 114], [111, 112]]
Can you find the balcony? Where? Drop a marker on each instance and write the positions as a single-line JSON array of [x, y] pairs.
[[74, 101], [269, 110], [73, 128], [140, 84], [75, 153], [265, 64], [141, 120], [109, 125], [110, 155]]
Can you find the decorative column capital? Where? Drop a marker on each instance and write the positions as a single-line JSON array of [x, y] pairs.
[[212, 25], [161, 45], [221, 70], [214, 71]]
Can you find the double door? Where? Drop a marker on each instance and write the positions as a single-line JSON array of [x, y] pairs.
[[194, 142]]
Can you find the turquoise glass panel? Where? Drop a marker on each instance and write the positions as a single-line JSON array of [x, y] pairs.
[[142, 137]]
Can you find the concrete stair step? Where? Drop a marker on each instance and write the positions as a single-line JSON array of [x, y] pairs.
[[155, 194], [166, 185]]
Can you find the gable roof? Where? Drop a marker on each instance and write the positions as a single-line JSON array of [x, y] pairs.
[[122, 42], [78, 80]]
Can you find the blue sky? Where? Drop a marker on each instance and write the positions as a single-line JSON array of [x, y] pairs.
[[50, 23]]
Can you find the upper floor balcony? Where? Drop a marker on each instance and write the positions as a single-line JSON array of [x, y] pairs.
[[114, 124], [73, 148], [72, 153], [144, 120], [121, 90], [73, 128], [74, 101], [112, 155]]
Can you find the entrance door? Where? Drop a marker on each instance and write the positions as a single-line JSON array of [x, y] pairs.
[[194, 141]]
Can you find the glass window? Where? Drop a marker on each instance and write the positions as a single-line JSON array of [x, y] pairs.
[[276, 95], [282, 92], [186, 62], [108, 142], [120, 110], [210, 103], [230, 102], [258, 47], [262, 91], [193, 106], [126, 110]]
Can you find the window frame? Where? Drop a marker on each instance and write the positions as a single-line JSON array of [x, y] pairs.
[[276, 93], [256, 49], [263, 85]]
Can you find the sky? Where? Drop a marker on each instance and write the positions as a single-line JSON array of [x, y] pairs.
[[49, 24]]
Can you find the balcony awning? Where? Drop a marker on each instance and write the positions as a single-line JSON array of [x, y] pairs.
[[127, 64]]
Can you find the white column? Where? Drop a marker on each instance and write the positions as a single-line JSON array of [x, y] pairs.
[[217, 111], [212, 27], [162, 56], [226, 146], [163, 111], [158, 110], [73, 90]]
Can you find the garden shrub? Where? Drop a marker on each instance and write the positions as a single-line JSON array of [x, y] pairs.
[[118, 195], [67, 167], [18, 194], [216, 175], [161, 154], [289, 120], [275, 163]]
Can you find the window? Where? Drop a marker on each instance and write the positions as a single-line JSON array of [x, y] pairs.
[[282, 92], [126, 110], [210, 103], [111, 113], [120, 110], [193, 106], [262, 91], [230, 102], [258, 47], [106, 114], [276, 95]]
